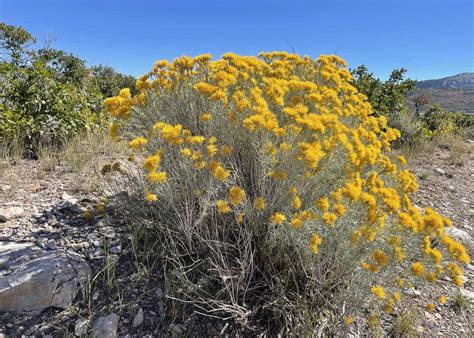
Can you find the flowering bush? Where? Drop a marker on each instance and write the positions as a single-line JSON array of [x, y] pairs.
[[271, 188]]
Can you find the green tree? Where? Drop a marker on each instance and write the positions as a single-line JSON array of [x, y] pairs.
[[14, 43], [386, 97], [48, 93], [110, 82]]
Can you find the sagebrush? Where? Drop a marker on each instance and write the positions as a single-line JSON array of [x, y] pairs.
[[270, 187]]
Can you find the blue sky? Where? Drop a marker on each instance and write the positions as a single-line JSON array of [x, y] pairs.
[[430, 38]]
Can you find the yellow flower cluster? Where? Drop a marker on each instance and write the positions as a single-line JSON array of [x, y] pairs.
[[303, 117]]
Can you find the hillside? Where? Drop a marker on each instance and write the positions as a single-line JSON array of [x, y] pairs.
[[453, 93], [464, 81]]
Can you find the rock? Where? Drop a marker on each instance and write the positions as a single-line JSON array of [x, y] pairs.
[[10, 213], [177, 328], [460, 235], [413, 291], [52, 245], [42, 242], [429, 316], [68, 198], [98, 243], [115, 249], [138, 319], [34, 279], [68, 206], [106, 326], [107, 232], [80, 327], [467, 293], [5, 188], [439, 171], [420, 329]]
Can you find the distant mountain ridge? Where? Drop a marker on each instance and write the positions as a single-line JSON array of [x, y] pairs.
[[453, 93], [463, 81]]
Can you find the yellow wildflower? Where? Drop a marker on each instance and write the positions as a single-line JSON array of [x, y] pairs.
[[380, 257], [417, 268], [315, 242], [378, 291], [277, 218], [329, 218], [157, 177], [259, 203], [149, 196], [226, 150], [138, 143], [323, 203], [296, 202], [152, 162], [223, 207], [236, 195], [205, 117], [186, 152]]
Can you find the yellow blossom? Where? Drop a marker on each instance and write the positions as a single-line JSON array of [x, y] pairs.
[[315, 242], [205, 117], [152, 162], [157, 177], [236, 195], [186, 152], [348, 320], [277, 218], [329, 218], [323, 203], [226, 150], [259, 203], [378, 291], [149, 196], [417, 268], [138, 143], [296, 202], [223, 207], [380, 257]]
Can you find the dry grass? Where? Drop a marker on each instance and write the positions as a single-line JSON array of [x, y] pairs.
[[90, 151], [457, 147], [11, 151], [84, 155], [455, 144], [405, 323]]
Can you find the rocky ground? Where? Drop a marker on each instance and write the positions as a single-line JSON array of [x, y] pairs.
[[56, 234], [447, 185]]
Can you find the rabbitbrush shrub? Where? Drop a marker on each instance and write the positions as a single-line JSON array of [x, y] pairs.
[[270, 188]]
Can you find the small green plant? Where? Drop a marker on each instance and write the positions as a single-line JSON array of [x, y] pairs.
[[460, 302], [405, 323]]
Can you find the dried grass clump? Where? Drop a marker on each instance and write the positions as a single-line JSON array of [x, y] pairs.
[[270, 189]]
